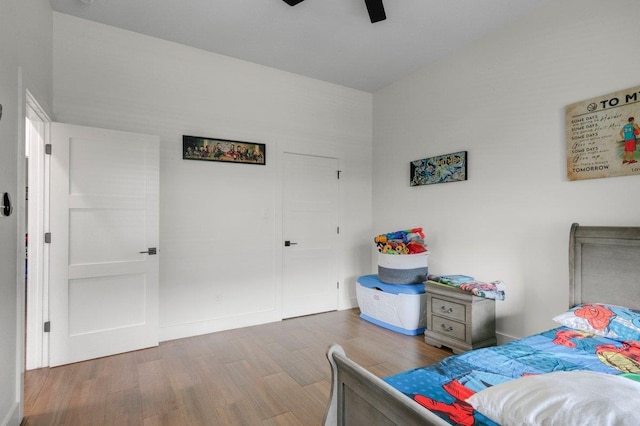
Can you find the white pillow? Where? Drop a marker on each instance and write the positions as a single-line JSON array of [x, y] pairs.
[[562, 398]]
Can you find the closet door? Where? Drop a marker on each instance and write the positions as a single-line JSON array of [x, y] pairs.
[[310, 230]]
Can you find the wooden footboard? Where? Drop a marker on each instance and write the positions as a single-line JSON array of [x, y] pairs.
[[358, 397]]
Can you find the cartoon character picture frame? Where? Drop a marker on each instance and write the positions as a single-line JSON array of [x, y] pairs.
[[223, 150]]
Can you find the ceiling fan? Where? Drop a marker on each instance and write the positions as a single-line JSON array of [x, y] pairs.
[[374, 7]]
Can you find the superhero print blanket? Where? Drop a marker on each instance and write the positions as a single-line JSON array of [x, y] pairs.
[[444, 387]]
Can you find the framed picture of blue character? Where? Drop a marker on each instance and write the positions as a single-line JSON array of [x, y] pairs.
[[439, 169], [224, 150]]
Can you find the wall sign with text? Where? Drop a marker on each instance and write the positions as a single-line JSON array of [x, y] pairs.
[[602, 136]]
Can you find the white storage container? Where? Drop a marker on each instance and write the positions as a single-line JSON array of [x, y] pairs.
[[398, 307], [403, 268]]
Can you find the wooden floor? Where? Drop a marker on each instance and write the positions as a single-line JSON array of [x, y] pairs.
[[272, 374]]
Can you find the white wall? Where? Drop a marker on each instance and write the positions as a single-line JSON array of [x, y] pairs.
[[503, 100], [25, 63], [220, 224]]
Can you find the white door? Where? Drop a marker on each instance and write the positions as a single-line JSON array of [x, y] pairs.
[[310, 229], [103, 216]]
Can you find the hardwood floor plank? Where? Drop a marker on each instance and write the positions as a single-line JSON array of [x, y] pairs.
[[257, 356], [190, 347], [295, 398], [238, 413], [171, 418], [217, 381], [124, 372], [270, 374], [221, 345], [286, 419], [197, 406], [281, 333], [123, 407], [296, 364], [88, 402], [317, 360], [52, 404], [319, 392], [149, 354], [181, 372], [34, 381], [158, 395], [254, 391]]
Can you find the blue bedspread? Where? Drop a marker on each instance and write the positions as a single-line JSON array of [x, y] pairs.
[[443, 387]]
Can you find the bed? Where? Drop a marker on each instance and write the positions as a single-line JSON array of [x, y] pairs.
[[585, 367]]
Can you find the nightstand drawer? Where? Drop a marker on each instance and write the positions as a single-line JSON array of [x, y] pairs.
[[449, 328], [445, 308]]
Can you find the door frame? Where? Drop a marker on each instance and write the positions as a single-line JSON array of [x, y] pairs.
[[37, 212]]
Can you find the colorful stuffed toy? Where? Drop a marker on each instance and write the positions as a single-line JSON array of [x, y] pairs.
[[410, 241]]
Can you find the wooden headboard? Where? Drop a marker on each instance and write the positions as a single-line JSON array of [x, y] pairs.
[[600, 256]]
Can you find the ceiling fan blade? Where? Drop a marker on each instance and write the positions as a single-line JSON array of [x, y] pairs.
[[376, 10], [292, 2]]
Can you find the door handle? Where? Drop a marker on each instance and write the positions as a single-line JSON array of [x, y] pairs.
[[151, 251], [6, 208], [288, 243]]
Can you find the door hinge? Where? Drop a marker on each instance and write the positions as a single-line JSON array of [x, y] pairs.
[[47, 237], [47, 149], [338, 230], [47, 326], [338, 285], [339, 171]]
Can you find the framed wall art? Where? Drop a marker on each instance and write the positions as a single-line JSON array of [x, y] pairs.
[[440, 169], [601, 136], [224, 150]]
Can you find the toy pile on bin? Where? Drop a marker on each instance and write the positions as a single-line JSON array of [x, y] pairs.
[[410, 241]]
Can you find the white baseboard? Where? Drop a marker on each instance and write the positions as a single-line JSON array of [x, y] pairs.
[[180, 331]]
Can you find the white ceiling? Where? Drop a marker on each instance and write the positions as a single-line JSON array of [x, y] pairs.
[[330, 40]]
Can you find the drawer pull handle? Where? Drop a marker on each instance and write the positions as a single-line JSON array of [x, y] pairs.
[[445, 328], [444, 309]]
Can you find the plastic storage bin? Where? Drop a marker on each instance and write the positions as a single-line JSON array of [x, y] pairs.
[[398, 307], [403, 268]]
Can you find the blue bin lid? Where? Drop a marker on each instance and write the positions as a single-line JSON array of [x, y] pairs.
[[372, 281]]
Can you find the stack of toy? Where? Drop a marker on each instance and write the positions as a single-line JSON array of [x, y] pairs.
[[402, 257], [410, 241]]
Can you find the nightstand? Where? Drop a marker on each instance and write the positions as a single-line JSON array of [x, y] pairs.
[[459, 320]]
